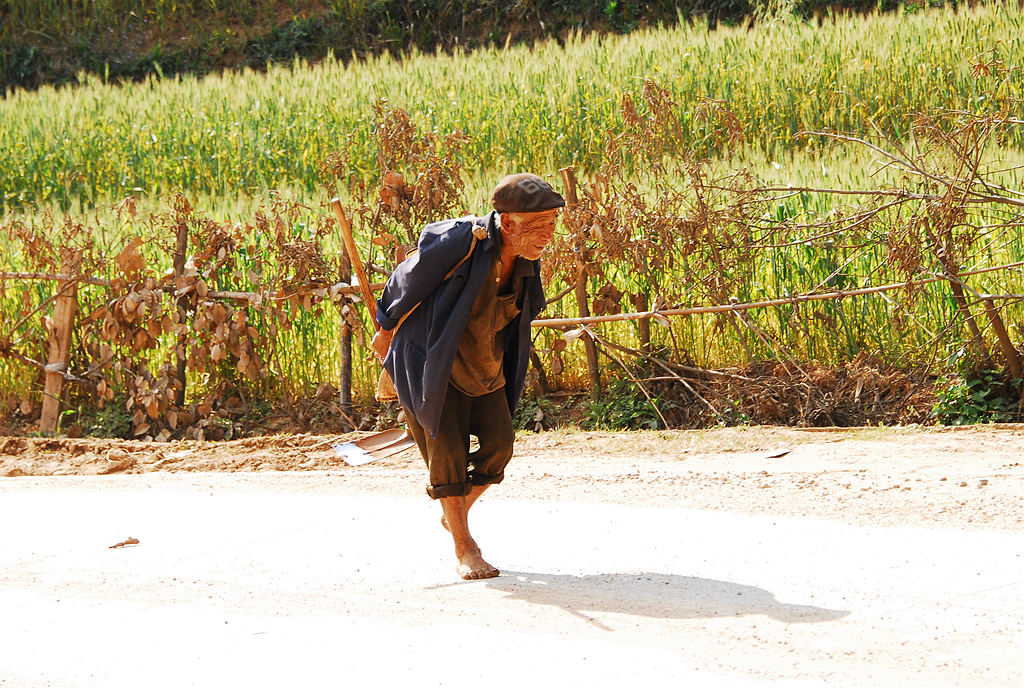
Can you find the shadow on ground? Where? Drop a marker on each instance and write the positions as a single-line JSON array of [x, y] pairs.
[[654, 595]]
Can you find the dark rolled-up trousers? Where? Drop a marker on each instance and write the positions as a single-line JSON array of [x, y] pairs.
[[454, 470]]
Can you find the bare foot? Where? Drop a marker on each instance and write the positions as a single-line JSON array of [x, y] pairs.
[[471, 564], [473, 567]]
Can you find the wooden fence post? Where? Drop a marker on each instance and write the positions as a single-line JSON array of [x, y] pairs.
[[644, 326], [345, 342], [65, 306], [178, 261], [582, 301]]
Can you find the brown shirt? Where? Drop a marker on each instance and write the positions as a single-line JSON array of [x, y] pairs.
[[478, 362]]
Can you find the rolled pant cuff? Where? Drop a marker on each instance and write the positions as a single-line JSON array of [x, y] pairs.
[[477, 479], [454, 490]]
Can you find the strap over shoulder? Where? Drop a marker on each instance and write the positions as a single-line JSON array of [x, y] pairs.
[[479, 232], [472, 246]]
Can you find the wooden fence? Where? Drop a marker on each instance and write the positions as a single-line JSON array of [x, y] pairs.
[[60, 327]]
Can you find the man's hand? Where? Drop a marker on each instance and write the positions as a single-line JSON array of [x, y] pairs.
[[382, 342]]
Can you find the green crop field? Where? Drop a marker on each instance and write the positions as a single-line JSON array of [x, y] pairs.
[[525, 108]]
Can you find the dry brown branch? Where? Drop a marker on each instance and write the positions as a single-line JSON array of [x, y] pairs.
[[667, 368], [633, 378]]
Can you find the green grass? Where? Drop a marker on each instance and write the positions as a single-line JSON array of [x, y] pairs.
[[525, 108]]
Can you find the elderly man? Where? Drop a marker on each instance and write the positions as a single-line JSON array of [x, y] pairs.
[[455, 338]]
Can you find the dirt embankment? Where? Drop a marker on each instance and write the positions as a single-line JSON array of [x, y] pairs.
[[966, 477], [90, 456]]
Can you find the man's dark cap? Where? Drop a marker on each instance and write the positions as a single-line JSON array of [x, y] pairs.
[[525, 193]]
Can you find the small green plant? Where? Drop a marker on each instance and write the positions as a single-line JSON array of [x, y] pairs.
[[733, 415], [110, 421], [534, 413], [388, 416], [622, 407], [981, 397], [621, 15]]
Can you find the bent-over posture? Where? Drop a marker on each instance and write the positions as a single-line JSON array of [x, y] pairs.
[[455, 338]]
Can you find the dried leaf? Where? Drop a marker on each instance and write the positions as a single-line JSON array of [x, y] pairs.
[[140, 341], [556, 365], [130, 260]]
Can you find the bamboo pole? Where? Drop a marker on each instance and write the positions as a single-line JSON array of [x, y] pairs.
[[385, 386], [345, 288], [735, 307], [353, 253], [340, 287], [53, 277]]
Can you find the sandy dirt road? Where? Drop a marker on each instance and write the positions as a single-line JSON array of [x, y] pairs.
[[743, 557]]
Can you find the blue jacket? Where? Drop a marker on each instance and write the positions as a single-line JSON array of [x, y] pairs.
[[423, 349]]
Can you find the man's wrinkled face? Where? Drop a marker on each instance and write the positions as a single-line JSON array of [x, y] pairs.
[[529, 233]]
